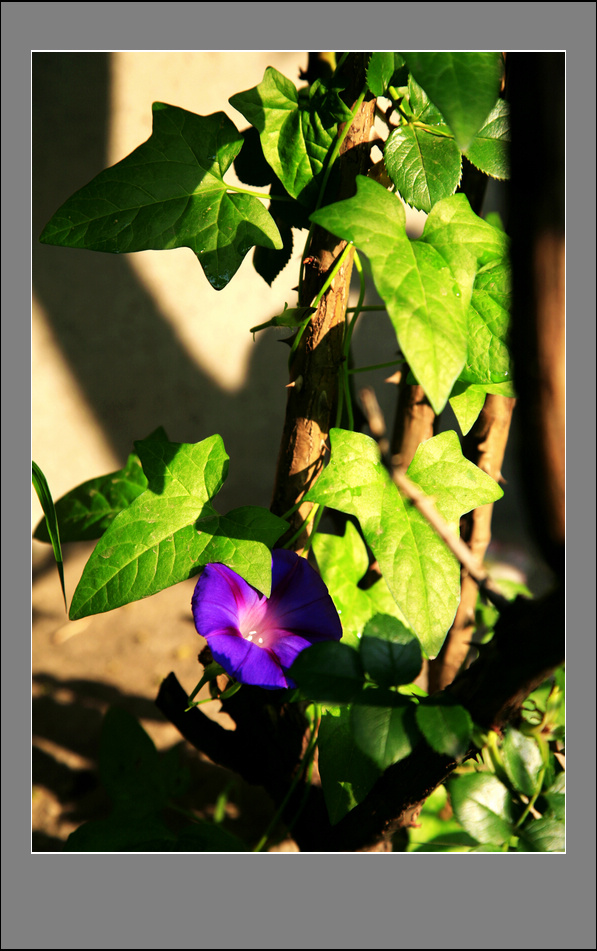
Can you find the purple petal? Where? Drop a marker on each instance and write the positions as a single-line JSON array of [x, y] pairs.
[[220, 600], [247, 662], [300, 601]]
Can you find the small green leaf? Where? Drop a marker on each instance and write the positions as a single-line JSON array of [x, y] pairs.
[[424, 167], [463, 86], [347, 775], [543, 835], [290, 317], [47, 503], [296, 132], [329, 672], [483, 806], [556, 797], [86, 512], [447, 728], [385, 734], [390, 653], [522, 761], [490, 149], [467, 401], [170, 193], [385, 69]]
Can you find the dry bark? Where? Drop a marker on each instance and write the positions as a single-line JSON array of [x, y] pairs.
[[313, 399]]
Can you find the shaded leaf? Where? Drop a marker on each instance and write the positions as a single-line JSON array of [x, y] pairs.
[[121, 832], [488, 354], [424, 167], [46, 501], [85, 512], [489, 151], [385, 734], [522, 761], [203, 836], [329, 672], [385, 69], [463, 86], [347, 775], [543, 835], [390, 653], [170, 193], [447, 728], [128, 763], [483, 807], [296, 129]]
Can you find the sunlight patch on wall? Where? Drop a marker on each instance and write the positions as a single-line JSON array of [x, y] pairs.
[[213, 326]]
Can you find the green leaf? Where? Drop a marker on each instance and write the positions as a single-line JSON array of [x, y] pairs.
[[490, 149], [385, 69], [385, 734], [169, 531], [170, 193], [390, 653], [456, 485], [556, 797], [154, 542], [46, 501], [421, 573], [424, 167], [243, 540], [347, 775], [488, 355], [421, 156], [329, 672], [86, 512], [297, 129], [467, 401], [483, 807], [447, 728], [423, 292], [543, 835], [522, 761], [343, 561], [463, 86]]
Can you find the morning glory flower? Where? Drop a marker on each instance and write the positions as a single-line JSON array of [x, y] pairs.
[[257, 639]]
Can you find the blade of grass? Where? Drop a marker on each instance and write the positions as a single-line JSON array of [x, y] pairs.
[[47, 503]]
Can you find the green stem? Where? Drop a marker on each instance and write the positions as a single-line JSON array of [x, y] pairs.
[[305, 761], [264, 195], [367, 307], [300, 531], [375, 366], [345, 387]]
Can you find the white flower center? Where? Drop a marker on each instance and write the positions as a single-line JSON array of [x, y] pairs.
[[253, 634]]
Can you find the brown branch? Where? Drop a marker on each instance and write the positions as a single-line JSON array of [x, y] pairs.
[[310, 406], [413, 424], [485, 447]]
